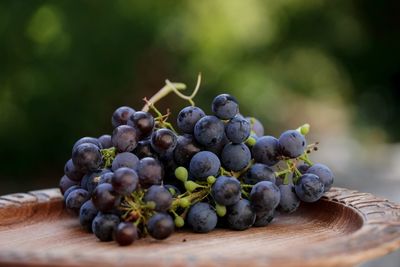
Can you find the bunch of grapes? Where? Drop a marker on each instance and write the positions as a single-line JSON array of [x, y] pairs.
[[146, 178]]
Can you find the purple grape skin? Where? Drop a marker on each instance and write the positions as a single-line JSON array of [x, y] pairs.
[[259, 172], [202, 217], [185, 149], [226, 190], [121, 116], [104, 225], [292, 144], [160, 196], [144, 149], [264, 196], [204, 164], [126, 233], [75, 200], [105, 198], [240, 216], [309, 188], [160, 226], [225, 106], [237, 129], [188, 117], [72, 173], [124, 138], [163, 140], [125, 159], [143, 121], [209, 131], [324, 173], [125, 181], [66, 183], [289, 202], [235, 157], [86, 157], [263, 218], [266, 150], [105, 141], [87, 213], [90, 140], [257, 126], [150, 172]]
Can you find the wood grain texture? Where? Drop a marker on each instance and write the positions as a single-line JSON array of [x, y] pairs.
[[343, 229]]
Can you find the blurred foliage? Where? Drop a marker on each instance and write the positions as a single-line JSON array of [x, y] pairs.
[[66, 65]]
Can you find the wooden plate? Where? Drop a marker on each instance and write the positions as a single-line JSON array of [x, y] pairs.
[[344, 228]]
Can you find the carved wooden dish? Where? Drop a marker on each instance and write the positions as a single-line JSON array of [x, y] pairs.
[[343, 229]]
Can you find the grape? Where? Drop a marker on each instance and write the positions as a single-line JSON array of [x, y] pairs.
[[292, 144], [188, 117], [66, 183], [87, 213], [106, 178], [125, 181], [125, 159], [209, 131], [104, 225], [169, 164], [72, 172], [160, 196], [266, 150], [105, 141], [204, 164], [105, 198], [173, 190], [237, 130], [309, 188], [124, 138], [86, 157], [324, 173], [185, 148], [217, 148], [226, 190], [75, 200], [264, 196], [121, 116], [90, 140], [256, 126], [263, 218], [69, 190], [150, 172], [289, 201], [144, 149], [163, 140], [259, 172], [202, 217], [235, 157], [143, 121], [126, 234], [225, 106], [303, 168], [160, 226], [91, 180], [240, 216]]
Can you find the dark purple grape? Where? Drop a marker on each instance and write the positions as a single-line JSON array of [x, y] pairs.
[[105, 198], [104, 225], [143, 121], [126, 233], [209, 131], [91, 180], [185, 149], [66, 183], [125, 181], [309, 188], [266, 150], [144, 149], [106, 178], [188, 117], [235, 157], [256, 126], [160, 226], [259, 172], [163, 140], [240, 216], [324, 173], [105, 141], [292, 144], [202, 218], [225, 106], [264, 196], [226, 190], [289, 201], [150, 172], [87, 213], [87, 157], [160, 196], [217, 148], [72, 172], [124, 138], [121, 116], [75, 200], [125, 159], [90, 140], [237, 130], [263, 218], [204, 164], [69, 190], [303, 168]]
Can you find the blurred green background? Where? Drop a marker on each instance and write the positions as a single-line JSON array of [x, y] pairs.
[[66, 65]]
